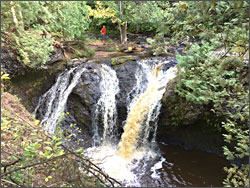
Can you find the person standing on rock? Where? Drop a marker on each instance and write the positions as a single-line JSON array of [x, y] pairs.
[[103, 31]]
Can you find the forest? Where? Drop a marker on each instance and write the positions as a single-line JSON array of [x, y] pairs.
[[124, 93]]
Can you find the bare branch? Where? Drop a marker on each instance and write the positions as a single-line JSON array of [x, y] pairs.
[[10, 182], [34, 164]]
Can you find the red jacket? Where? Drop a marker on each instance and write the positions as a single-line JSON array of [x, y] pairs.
[[103, 30]]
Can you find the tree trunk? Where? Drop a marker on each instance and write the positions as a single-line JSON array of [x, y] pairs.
[[14, 14], [123, 33], [122, 27], [137, 28]]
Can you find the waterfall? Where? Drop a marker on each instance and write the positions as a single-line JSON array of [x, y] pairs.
[[145, 108], [118, 159], [106, 107], [53, 102], [136, 143]]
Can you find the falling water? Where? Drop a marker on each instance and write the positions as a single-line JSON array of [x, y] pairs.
[[106, 107], [145, 109], [54, 100], [133, 157], [119, 161]]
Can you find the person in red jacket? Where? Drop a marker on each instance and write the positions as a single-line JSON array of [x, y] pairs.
[[103, 31]]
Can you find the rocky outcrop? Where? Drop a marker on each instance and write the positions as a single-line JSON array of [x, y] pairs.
[[183, 123], [85, 95], [82, 100], [56, 56], [10, 64], [126, 76], [176, 110], [179, 121]]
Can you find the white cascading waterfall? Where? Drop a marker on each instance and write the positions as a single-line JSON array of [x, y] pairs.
[[118, 159], [106, 107], [140, 127], [53, 102]]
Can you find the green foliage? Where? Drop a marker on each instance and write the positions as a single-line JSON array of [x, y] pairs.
[[34, 49], [35, 159], [69, 19], [227, 22], [215, 73], [147, 15], [237, 177], [221, 83], [26, 22]]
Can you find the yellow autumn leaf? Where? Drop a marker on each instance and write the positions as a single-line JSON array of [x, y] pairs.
[[37, 122], [41, 153], [60, 153], [238, 49], [239, 42], [47, 179], [3, 127]]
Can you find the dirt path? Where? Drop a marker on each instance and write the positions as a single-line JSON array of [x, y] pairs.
[[103, 50]]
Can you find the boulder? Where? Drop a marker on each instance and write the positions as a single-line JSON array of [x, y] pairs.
[[82, 100], [56, 56], [183, 123], [10, 64]]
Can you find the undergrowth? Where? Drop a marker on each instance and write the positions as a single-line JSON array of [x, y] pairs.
[[31, 158]]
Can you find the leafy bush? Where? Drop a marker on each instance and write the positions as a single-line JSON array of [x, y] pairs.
[[223, 84], [26, 21], [29, 157], [215, 72], [34, 49]]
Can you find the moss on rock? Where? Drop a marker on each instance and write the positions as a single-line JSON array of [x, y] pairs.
[[122, 59]]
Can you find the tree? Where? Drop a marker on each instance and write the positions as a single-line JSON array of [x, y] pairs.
[[220, 81], [26, 22], [126, 13]]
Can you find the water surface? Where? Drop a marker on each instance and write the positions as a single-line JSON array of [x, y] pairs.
[[184, 168]]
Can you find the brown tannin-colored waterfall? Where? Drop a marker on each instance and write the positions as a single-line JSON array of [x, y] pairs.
[[137, 115]]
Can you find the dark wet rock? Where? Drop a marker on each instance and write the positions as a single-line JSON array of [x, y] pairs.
[[126, 76], [88, 86], [82, 100], [80, 115], [192, 137], [76, 62], [145, 45], [10, 64], [56, 56]]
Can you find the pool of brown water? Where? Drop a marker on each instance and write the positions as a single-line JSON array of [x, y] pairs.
[[178, 167]]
